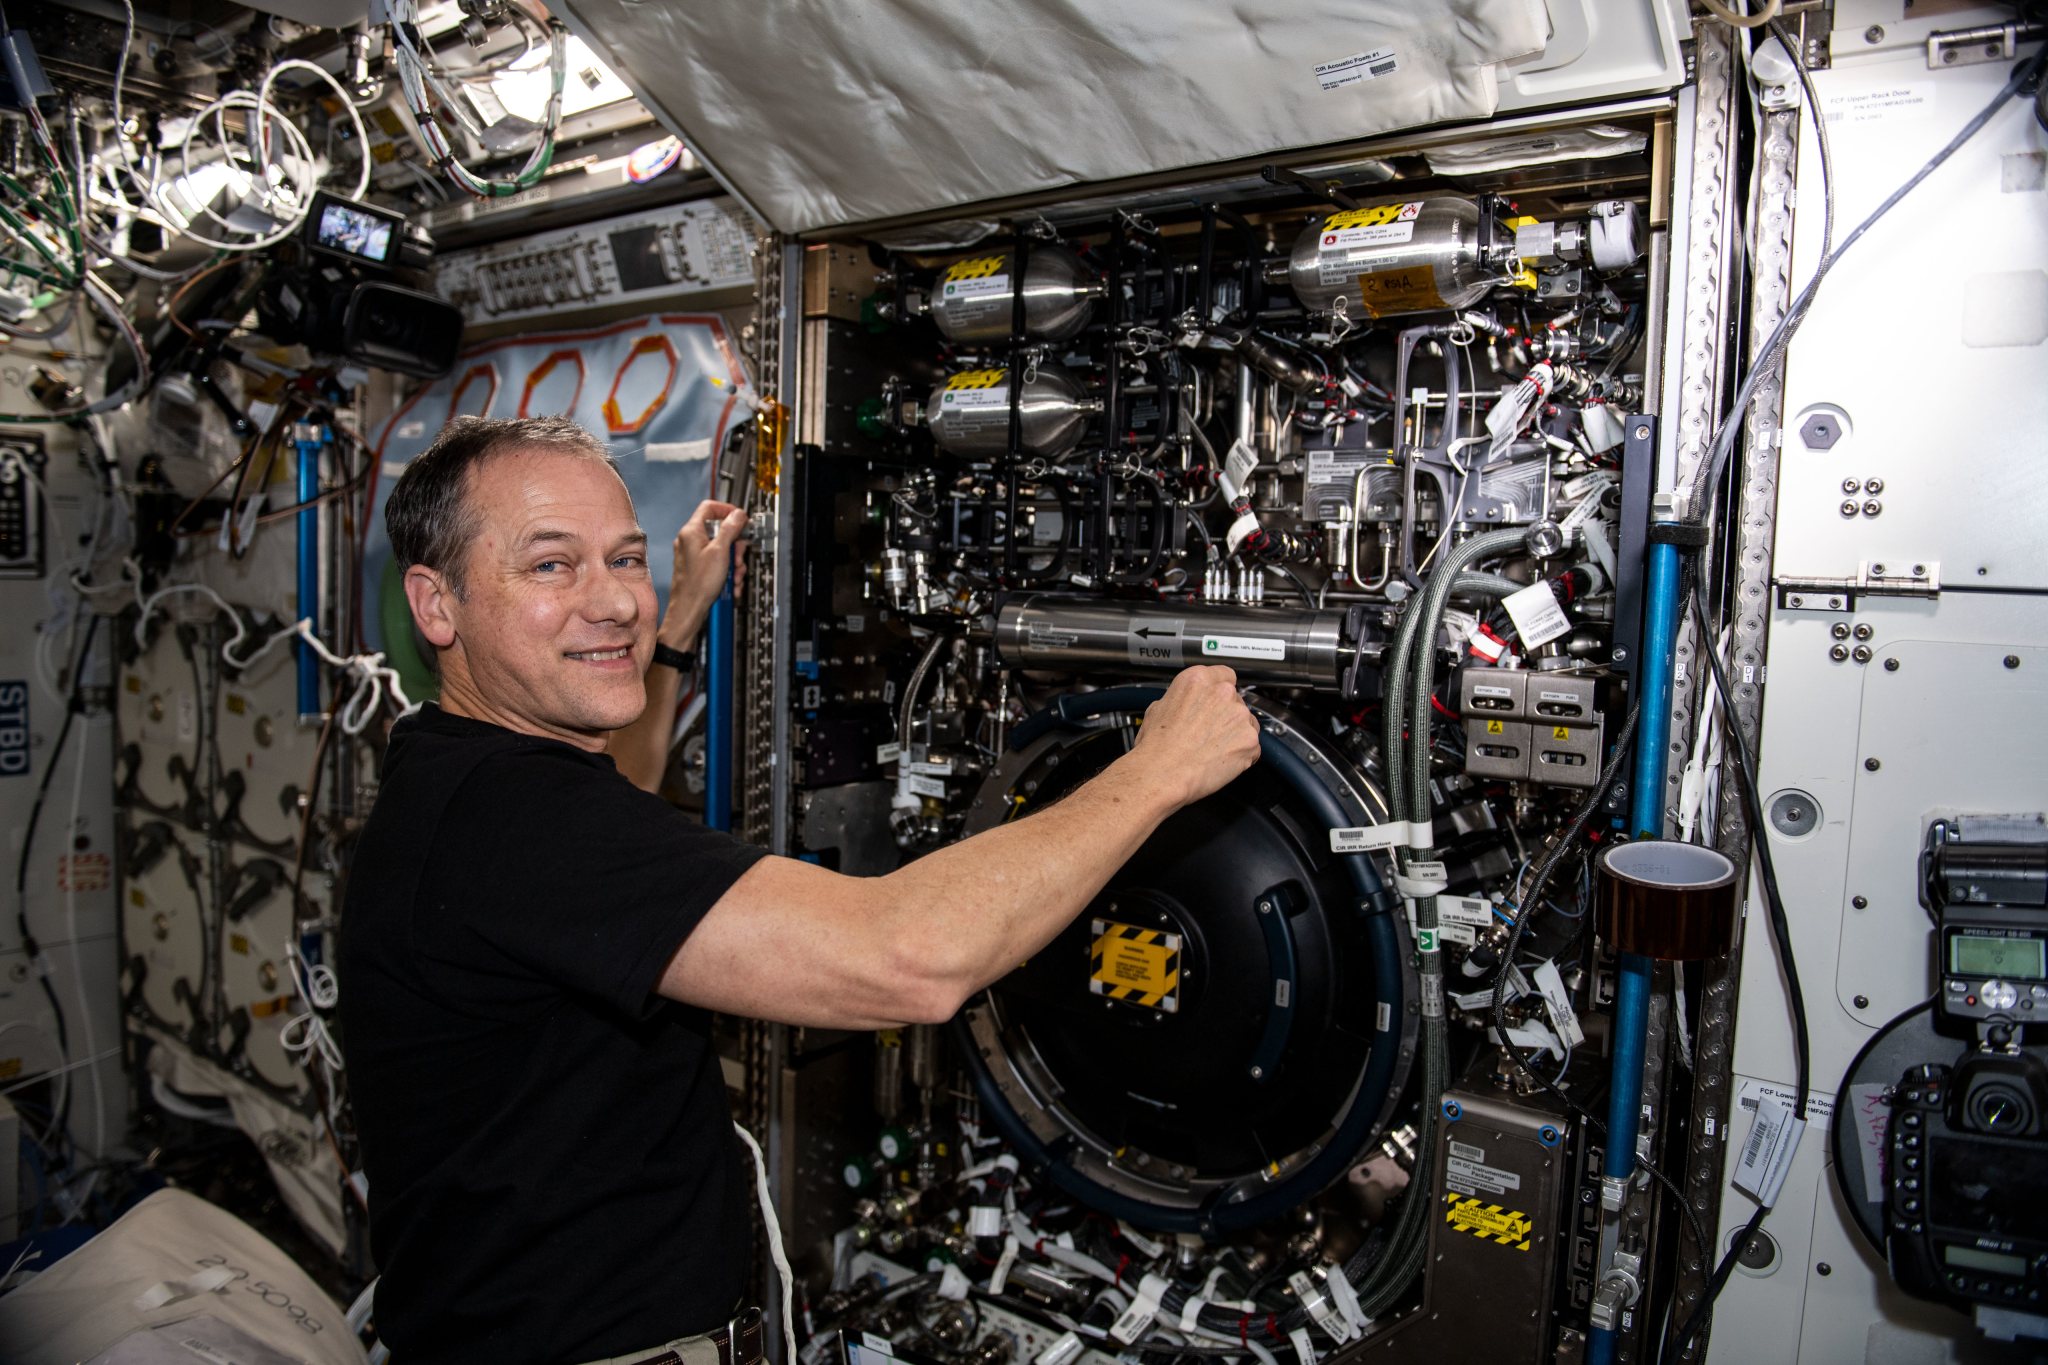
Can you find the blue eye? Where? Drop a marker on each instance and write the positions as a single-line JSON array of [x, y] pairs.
[[546, 564], [631, 562]]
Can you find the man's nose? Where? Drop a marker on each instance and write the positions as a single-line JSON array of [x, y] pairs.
[[609, 597]]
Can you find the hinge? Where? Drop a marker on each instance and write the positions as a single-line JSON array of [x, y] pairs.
[[1986, 43], [1921, 579]]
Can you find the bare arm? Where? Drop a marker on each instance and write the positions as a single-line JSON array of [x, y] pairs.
[[796, 943], [701, 560]]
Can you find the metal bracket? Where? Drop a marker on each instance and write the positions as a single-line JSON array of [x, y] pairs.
[[1985, 43], [1920, 578]]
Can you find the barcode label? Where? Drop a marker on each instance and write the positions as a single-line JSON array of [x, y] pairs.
[[1362, 66]]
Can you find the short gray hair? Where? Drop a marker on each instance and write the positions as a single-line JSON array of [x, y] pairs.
[[429, 517]]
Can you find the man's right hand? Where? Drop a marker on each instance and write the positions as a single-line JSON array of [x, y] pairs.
[[1198, 736]]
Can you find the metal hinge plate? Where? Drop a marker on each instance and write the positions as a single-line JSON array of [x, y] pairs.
[[1914, 579]]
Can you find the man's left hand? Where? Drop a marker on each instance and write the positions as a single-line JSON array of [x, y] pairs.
[[706, 548]]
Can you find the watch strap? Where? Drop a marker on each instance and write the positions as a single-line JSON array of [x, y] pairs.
[[680, 660]]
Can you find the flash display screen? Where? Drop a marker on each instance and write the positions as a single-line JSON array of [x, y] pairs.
[[1969, 1258], [2023, 958]]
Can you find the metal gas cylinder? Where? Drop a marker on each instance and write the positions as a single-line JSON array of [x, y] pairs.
[[1410, 256], [970, 413], [972, 299]]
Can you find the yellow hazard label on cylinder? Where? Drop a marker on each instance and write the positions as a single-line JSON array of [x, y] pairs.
[[1372, 217], [1136, 965], [979, 268], [1495, 1224], [977, 379], [1410, 289]]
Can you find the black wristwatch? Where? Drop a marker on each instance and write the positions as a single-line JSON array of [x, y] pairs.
[[680, 660]]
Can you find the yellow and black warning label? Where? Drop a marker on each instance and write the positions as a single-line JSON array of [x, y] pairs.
[[978, 268], [1489, 1221], [1371, 217], [1135, 965], [1562, 732], [1495, 727], [1409, 289], [977, 379]]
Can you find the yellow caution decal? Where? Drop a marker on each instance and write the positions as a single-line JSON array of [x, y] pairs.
[[1488, 1221], [980, 268], [1372, 217], [978, 379], [1494, 727], [1135, 965], [1561, 732]]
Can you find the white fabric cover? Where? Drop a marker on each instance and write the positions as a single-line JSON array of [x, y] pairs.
[[828, 112], [163, 1262]]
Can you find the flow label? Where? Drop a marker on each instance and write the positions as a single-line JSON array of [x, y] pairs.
[[1357, 69], [1243, 647], [1469, 911], [1154, 642]]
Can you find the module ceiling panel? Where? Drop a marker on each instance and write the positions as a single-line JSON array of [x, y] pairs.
[[821, 113]]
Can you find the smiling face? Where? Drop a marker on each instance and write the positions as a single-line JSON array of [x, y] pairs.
[[555, 625]]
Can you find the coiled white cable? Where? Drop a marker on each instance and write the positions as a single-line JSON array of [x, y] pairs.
[[773, 1228]]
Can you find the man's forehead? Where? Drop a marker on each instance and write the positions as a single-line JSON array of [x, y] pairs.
[[524, 485]]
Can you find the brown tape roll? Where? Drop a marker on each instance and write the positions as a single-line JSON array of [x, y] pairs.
[[1665, 899]]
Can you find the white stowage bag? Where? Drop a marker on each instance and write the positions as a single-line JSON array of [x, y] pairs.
[[821, 112], [173, 1268]]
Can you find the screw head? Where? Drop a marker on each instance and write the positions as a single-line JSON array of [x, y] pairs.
[[1823, 1269], [1850, 508], [2012, 661], [1877, 571], [1872, 508], [1838, 652], [1265, 907], [1840, 630], [1258, 1073], [1860, 902], [1891, 665], [1874, 34], [1861, 1002], [1864, 632], [1862, 654], [1852, 486], [1873, 485], [1871, 765]]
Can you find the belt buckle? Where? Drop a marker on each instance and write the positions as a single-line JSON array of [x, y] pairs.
[[733, 1353]]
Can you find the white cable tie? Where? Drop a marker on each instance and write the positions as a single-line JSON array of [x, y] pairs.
[[1192, 1313], [1419, 888]]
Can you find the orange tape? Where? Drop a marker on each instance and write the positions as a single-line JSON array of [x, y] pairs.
[[476, 372], [546, 368], [614, 422]]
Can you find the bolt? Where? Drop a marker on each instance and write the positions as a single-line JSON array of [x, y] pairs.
[[1838, 652], [1874, 485], [1258, 1073], [2012, 661], [1862, 654], [1849, 508], [1871, 765], [1874, 34], [1877, 571], [1861, 1002], [1872, 508], [1840, 630], [1864, 632], [1642, 433], [1834, 604], [1891, 665], [1265, 907], [1851, 486], [1919, 571], [1860, 902], [1621, 656]]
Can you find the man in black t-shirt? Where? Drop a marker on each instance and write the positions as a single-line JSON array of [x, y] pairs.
[[531, 943]]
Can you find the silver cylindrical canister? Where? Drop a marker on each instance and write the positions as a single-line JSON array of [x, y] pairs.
[[970, 413], [972, 299], [1264, 644], [1407, 257]]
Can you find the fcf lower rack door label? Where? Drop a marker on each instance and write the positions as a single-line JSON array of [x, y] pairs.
[[1136, 965]]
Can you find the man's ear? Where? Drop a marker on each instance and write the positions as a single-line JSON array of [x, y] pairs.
[[433, 605]]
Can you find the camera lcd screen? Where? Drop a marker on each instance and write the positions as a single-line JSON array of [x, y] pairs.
[[1997, 1189], [1969, 1258], [1982, 955], [354, 231]]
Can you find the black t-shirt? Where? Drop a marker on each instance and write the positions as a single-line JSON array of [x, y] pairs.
[[553, 1171]]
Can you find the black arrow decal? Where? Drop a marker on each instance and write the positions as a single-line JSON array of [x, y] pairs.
[[1146, 633]]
